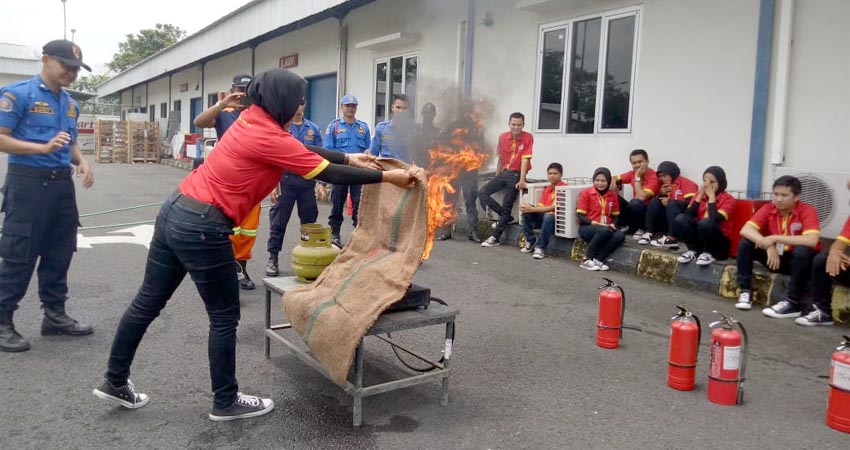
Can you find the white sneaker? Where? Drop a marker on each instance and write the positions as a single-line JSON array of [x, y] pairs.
[[646, 238], [589, 264], [638, 234], [491, 242], [687, 257], [745, 301], [528, 247], [815, 317], [705, 259], [667, 242], [538, 253], [601, 265]]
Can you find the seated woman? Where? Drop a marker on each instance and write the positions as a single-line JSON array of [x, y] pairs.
[[705, 227], [598, 209]]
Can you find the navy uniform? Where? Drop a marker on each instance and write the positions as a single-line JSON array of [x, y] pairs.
[[390, 142], [39, 201], [347, 138], [293, 189]]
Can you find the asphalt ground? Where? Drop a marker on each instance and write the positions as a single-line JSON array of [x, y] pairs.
[[527, 373]]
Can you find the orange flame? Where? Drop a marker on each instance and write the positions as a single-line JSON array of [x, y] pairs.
[[447, 162]]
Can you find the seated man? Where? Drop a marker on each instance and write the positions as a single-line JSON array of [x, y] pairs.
[[542, 215], [675, 194], [705, 227], [785, 236], [514, 151], [597, 211], [645, 185]]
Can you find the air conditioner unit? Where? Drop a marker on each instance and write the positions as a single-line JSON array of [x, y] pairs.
[[535, 191], [827, 193], [566, 198]]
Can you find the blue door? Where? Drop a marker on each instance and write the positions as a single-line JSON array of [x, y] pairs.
[[321, 100], [196, 106]]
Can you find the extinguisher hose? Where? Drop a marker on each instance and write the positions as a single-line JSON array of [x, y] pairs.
[[745, 354], [420, 369]]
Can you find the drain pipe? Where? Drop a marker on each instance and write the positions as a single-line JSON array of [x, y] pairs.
[[470, 41], [783, 67], [343, 63], [761, 94]]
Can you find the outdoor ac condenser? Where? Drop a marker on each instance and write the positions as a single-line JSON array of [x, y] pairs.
[[535, 191], [566, 198], [827, 192]]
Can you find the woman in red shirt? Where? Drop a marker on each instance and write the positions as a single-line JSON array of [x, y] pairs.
[[705, 227], [194, 225], [598, 212]]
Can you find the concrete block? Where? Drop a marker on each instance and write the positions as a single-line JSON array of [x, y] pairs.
[[704, 278], [658, 266], [762, 285], [625, 259], [841, 305]]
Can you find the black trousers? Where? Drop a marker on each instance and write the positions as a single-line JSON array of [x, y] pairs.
[[601, 240], [702, 236], [466, 183], [659, 218], [797, 263], [633, 213], [40, 225], [822, 284], [506, 180], [339, 193], [293, 190]]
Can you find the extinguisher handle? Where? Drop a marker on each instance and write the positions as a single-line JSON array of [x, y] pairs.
[[844, 344]]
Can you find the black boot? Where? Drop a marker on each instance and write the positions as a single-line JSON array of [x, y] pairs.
[[271, 267], [57, 322], [245, 283], [10, 340]]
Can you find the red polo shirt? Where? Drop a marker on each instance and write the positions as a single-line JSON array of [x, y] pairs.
[[513, 151], [682, 189], [547, 198], [247, 164], [649, 182], [725, 206], [595, 206], [802, 220], [844, 236]]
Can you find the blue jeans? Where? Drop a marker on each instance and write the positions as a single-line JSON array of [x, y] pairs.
[[191, 241], [544, 221]]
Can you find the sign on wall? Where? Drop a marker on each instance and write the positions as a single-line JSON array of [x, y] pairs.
[[289, 61]]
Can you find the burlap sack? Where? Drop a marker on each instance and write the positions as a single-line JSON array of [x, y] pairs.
[[373, 271]]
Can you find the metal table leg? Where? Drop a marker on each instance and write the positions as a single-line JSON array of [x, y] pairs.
[[358, 385], [447, 354], [268, 321]]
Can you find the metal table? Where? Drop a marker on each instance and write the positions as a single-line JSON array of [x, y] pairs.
[[390, 322]]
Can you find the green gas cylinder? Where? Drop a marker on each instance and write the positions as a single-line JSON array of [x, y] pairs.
[[314, 252]]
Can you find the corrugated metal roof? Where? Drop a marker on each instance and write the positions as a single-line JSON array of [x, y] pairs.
[[19, 59], [236, 30], [15, 51]]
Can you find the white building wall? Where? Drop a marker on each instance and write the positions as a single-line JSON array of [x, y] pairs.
[[192, 77], [317, 47], [219, 73], [7, 78]]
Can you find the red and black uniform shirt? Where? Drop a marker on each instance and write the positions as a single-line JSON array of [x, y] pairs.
[[649, 182], [513, 150], [598, 208], [802, 220]]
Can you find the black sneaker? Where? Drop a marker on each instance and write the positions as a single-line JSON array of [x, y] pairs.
[[246, 284], [244, 407], [271, 267], [335, 240], [125, 395], [815, 317], [782, 310]]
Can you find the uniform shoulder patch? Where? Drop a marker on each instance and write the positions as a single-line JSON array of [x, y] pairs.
[[10, 95], [72, 111], [5, 104]]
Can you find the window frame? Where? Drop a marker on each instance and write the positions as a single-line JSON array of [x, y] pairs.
[[567, 26], [386, 59]]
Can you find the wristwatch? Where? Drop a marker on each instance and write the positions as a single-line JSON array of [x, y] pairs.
[[637, 179]]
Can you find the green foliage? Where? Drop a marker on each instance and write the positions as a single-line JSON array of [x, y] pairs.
[[143, 44], [88, 83]]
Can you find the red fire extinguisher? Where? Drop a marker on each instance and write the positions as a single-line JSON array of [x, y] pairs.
[[728, 362], [685, 331], [838, 405], [612, 311]]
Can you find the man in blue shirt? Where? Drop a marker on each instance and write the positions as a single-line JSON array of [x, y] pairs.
[[291, 190], [391, 135], [348, 135], [38, 129]]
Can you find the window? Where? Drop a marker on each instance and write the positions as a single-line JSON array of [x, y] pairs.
[[163, 110], [152, 112], [395, 75], [177, 105], [212, 99], [586, 70]]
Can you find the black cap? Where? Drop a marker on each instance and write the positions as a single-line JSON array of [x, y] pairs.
[[66, 52], [241, 80]]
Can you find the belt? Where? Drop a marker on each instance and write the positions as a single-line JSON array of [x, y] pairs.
[[54, 173], [204, 209]]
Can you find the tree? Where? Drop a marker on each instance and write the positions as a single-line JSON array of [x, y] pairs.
[[143, 44], [88, 83]]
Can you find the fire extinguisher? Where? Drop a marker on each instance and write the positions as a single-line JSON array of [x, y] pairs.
[[685, 331], [728, 362], [612, 311], [838, 405]]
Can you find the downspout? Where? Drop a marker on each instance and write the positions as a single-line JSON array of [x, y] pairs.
[[147, 98], [342, 68], [760, 97], [467, 57], [253, 60], [170, 106], [783, 67]]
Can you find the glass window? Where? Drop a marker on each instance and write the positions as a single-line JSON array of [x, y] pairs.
[[212, 99], [152, 113], [381, 93], [177, 105], [618, 73], [395, 75], [585, 68], [410, 82], [163, 110], [552, 79]]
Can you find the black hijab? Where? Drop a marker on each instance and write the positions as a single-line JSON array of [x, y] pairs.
[[607, 173], [278, 92], [670, 168], [718, 173]]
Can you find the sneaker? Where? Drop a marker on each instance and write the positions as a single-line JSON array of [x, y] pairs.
[[667, 242], [538, 253], [474, 238], [491, 242], [335, 240], [271, 267], [601, 265], [246, 284], [638, 234], [244, 407], [815, 317], [589, 264], [528, 247], [646, 238], [745, 301], [782, 310], [125, 395], [687, 257], [705, 259]]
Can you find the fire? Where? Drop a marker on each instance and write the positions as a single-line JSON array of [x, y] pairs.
[[447, 161]]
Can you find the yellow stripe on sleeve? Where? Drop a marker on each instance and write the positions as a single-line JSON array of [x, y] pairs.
[[581, 211], [723, 213], [753, 224], [317, 170], [844, 239], [811, 232]]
